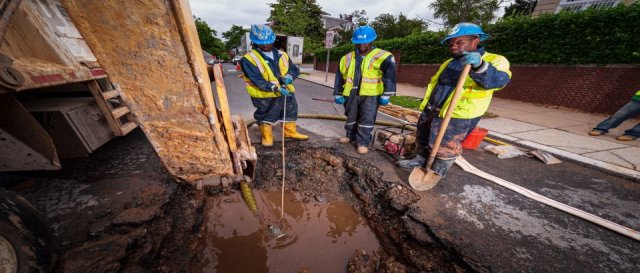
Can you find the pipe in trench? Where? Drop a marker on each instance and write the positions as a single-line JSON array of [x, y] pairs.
[[343, 118]]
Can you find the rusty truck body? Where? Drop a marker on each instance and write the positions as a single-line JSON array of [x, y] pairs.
[[74, 74]]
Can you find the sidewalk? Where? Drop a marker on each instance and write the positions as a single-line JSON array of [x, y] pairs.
[[561, 132]]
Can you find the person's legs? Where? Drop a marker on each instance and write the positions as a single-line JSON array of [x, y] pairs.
[[265, 115], [368, 110], [290, 130], [634, 132], [627, 111], [450, 146], [422, 136], [351, 110]]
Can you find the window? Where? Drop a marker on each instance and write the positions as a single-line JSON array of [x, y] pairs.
[[578, 5]]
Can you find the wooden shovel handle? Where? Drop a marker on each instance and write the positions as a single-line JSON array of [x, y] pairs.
[[447, 117]]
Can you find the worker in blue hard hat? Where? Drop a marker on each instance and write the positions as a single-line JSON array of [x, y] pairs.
[[367, 79], [489, 73], [268, 76]]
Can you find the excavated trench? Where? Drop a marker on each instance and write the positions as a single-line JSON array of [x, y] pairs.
[[322, 183]]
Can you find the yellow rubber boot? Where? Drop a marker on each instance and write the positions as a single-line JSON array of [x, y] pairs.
[[267, 135], [291, 132]]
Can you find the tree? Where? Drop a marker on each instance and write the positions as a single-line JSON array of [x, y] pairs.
[[358, 18], [474, 11], [388, 26], [520, 7], [208, 40], [234, 36], [297, 17]]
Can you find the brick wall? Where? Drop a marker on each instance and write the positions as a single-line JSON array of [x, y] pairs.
[[587, 88]]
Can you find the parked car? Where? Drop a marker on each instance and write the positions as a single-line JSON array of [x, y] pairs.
[[236, 59], [210, 60]]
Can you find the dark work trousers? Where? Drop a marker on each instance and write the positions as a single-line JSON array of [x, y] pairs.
[[269, 110], [361, 112], [450, 147]]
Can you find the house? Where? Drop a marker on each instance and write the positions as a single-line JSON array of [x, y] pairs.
[[337, 24], [555, 6]]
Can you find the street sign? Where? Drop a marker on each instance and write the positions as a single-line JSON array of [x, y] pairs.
[[328, 39]]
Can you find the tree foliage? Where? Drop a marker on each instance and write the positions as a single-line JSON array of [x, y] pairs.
[[520, 7], [474, 11], [388, 26], [298, 18], [208, 40], [234, 36], [358, 18], [594, 36]]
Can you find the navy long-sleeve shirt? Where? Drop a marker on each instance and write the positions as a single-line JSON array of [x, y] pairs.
[[486, 76], [253, 73], [388, 68]]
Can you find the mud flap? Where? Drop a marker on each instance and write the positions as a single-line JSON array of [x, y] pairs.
[[24, 144]]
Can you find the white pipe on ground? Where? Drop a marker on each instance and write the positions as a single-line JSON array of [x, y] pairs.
[[548, 201]]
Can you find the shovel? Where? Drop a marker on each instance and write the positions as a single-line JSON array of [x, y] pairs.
[[423, 179]]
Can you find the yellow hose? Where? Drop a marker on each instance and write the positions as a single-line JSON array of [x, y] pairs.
[[247, 195], [343, 118]]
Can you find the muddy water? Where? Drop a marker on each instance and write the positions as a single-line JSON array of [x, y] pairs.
[[318, 236]]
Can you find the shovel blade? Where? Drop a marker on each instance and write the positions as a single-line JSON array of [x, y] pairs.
[[422, 180]]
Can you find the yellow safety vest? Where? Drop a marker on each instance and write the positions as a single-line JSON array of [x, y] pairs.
[[256, 59], [475, 99], [371, 83]]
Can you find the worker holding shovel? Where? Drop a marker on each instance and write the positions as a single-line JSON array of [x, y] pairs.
[[366, 80], [268, 76], [457, 96]]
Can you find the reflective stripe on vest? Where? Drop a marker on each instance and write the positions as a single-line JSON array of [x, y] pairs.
[[475, 100], [256, 59], [371, 80]]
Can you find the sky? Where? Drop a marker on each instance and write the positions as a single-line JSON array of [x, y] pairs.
[[221, 14]]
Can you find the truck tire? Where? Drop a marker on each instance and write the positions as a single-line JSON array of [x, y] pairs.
[[25, 240]]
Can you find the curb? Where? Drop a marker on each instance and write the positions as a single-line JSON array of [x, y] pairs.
[[600, 165]]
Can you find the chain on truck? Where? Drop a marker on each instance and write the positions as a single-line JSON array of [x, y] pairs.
[[75, 74]]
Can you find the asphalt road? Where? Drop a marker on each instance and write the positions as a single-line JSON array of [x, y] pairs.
[[491, 225]]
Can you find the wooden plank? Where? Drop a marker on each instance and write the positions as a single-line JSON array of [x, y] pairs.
[[107, 95], [120, 112], [104, 107], [221, 91], [128, 127]]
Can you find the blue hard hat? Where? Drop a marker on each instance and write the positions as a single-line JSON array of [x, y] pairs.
[[261, 35], [363, 35], [463, 29]]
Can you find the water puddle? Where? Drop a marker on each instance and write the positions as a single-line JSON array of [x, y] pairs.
[[318, 236]]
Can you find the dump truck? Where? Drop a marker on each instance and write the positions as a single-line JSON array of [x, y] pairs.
[[75, 74]]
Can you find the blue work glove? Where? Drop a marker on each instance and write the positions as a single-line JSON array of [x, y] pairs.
[[288, 79], [339, 99], [284, 91], [472, 58], [383, 100]]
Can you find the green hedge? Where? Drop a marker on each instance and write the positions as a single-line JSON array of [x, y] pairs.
[[594, 36]]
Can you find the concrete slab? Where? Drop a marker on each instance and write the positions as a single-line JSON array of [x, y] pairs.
[[520, 106], [545, 120], [568, 141], [626, 157], [507, 126], [504, 112], [574, 115]]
